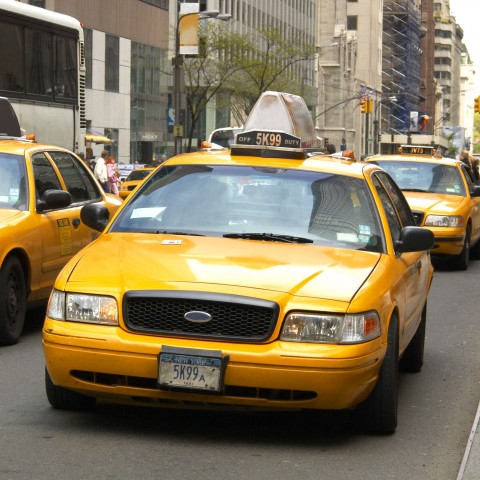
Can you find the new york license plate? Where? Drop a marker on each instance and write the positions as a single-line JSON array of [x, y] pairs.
[[190, 369]]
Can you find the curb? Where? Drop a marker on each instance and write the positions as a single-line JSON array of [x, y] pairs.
[[470, 467]]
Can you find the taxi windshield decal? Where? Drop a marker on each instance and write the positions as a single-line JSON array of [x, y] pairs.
[[263, 138]]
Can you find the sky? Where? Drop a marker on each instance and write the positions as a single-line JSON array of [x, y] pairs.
[[467, 14]]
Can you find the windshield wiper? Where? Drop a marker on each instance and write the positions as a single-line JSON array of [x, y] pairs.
[[273, 237], [158, 232]]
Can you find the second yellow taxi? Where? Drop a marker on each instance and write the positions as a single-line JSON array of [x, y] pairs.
[[266, 276], [443, 197], [42, 190]]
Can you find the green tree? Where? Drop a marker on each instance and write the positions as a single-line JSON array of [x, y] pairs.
[[242, 67], [273, 62], [476, 133]]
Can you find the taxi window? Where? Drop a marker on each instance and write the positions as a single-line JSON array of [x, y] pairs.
[[396, 208], [79, 184], [44, 174], [468, 178], [13, 195], [311, 207]]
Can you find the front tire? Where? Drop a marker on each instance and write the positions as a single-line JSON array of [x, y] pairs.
[[460, 261], [13, 301], [378, 414], [64, 399]]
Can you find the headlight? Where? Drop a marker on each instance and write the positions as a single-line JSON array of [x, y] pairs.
[[319, 328], [76, 307], [444, 221]]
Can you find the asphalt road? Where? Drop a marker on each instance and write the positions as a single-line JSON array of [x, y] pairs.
[[437, 408]]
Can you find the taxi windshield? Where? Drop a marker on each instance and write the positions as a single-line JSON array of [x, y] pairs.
[[425, 177], [12, 182], [256, 204]]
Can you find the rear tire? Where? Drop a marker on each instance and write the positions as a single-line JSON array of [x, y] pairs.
[[378, 414], [13, 301], [64, 399], [412, 360]]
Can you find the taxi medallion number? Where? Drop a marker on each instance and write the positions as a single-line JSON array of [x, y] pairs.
[[190, 369]]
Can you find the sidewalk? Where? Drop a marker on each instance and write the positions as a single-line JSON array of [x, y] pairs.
[[470, 467]]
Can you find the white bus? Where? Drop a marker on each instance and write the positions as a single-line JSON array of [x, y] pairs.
[[42, 72]]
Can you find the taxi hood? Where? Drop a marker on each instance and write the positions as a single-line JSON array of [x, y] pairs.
[[152, 261], [433, 202], [8, 215]]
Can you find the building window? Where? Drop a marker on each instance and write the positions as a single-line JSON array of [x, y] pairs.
[[112, 67], [163, 4], [352, 21], [87, 35], [37, 3]]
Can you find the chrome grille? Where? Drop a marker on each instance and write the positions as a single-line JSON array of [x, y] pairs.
[[233, 317]]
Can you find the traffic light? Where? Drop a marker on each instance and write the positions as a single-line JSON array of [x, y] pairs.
[[364, 105], [477, 105]]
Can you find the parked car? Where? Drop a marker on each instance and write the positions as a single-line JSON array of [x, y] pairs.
[[443, 197], [265, 276], [42, 190], [134, 178]]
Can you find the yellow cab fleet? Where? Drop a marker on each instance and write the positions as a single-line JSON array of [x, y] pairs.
[[42, 190], [263, 276], [443, 197]]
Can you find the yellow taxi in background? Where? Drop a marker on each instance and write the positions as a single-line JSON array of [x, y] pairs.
[[443, 197], [42, 190], [131, 182], [266, 276]]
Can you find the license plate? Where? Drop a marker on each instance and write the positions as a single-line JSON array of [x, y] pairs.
[[190, 369]]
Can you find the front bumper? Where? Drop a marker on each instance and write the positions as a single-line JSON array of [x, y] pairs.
[[448, 241], [116, 366]]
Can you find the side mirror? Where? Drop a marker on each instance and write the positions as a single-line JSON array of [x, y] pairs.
[[54, 200], [476, 191], [414, 239], [95, 216]]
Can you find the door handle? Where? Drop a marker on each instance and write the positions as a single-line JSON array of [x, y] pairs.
[[76, 222]]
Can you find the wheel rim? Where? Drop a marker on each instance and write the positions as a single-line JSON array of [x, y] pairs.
[[13, 299]]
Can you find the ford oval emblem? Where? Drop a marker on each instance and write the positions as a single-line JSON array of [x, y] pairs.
[[197, 317]]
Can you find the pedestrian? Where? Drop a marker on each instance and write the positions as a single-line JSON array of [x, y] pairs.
[[112, 174], [101, 171], [465, 158], [474, 162], [330, 148]]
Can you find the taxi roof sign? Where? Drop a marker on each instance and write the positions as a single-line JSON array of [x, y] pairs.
[[283, 112], [420, 150]]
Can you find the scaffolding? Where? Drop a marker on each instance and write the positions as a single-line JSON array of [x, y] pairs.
[[401, 64]]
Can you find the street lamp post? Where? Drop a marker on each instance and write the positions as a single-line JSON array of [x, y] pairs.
[[177, 61]]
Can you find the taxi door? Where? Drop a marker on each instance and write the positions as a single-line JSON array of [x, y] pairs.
[[415, 267], [474, 206], [58, 230]]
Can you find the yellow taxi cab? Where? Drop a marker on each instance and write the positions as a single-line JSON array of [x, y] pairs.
[[42, 190], [266, 276], [131, 182], [443, 197]]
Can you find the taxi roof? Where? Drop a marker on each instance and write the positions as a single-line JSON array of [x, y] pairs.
[[413, 158]]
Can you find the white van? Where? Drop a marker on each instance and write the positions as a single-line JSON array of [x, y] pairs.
[[224, 136]]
